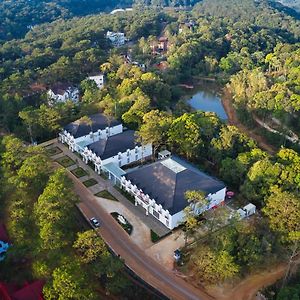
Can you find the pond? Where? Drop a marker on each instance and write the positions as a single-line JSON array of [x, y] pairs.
[[207, 100]]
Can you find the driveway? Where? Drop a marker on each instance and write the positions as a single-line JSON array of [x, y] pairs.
[[141, 233]]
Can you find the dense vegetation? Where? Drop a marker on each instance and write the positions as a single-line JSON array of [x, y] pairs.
[[18, 17], [249, 45], [51, 240]]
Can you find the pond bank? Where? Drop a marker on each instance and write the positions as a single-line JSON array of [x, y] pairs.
[[233, 120]]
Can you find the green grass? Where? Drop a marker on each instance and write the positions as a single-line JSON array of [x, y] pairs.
[[90, 182], [127, 227], [53, 151], [79, 172], [66, 161], [154, 236], [107, 195]]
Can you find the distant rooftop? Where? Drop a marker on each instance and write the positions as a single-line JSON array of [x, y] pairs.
[[99, 121], [60, 88], [167, 180], [106, 148]]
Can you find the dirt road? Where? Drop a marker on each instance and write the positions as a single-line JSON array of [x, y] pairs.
[[135, 258], [233, 120]]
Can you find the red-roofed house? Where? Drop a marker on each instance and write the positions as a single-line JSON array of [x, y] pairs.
[[32, 291]]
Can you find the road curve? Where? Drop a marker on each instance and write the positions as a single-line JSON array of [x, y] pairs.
[[135, 258]]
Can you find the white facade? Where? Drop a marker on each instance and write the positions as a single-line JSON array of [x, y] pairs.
[[78, 144], [69, 94], [121, 159], [99, 80], [117, 38], [164, 216]]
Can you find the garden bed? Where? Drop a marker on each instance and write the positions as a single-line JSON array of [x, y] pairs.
[[126, 226], [65, 161], [107, 195], [53, 151], [154, 236], [79, 172], [90, 182]]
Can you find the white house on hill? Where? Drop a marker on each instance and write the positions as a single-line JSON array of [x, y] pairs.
[[62, 93], [159, 188], [120, 149], [78, 134], [117, 38], [99, 80]]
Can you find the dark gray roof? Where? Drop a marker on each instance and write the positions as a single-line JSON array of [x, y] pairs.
[[60, 88], [167, 180], [99, 121], [106, 148]]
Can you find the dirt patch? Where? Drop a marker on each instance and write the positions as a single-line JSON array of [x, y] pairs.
[[233, 120], [248, 288]]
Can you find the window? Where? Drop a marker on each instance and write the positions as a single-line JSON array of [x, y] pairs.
[[136, 157], [155, 214], [128, 152], [128, 159], [136, 149]]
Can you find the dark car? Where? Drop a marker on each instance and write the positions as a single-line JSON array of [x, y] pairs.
[[95, 222]]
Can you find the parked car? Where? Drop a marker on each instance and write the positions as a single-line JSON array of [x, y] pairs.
[[95, 223]]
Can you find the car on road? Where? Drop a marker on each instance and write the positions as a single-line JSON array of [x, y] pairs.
[[95, 223]]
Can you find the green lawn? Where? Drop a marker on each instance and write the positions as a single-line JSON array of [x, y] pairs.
[[53, 151], [154, 236], [79, 172], [65, 161], [127, 227], [107, 195], [90, 182]]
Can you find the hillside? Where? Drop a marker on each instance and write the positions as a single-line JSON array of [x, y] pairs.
[[21, 15]]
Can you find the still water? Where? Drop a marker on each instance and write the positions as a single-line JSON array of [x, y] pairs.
[[208, 101]]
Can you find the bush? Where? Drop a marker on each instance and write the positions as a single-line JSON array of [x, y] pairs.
[[154, 236]]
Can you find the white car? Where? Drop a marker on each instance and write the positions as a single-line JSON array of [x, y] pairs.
[[95, 223]]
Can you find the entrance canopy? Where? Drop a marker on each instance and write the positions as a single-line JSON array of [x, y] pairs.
[[113, 169]]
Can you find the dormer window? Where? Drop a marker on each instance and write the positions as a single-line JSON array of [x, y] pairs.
[[128, 152]]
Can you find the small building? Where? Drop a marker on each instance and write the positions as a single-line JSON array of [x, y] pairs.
[[162, 44], [121, 10], [121, 149], [78, 134], [159, 188], [247, 210], [98, 79], [116, 38], [62, 92], [164, 154]]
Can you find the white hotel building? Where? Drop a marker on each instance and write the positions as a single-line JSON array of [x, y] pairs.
[[159, 188]]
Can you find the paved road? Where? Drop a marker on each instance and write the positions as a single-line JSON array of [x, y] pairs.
[[135, 258]]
